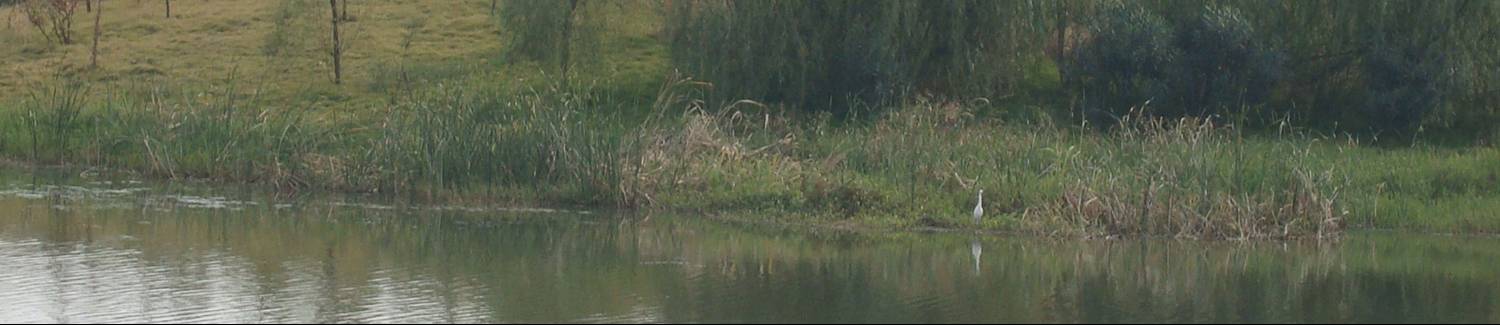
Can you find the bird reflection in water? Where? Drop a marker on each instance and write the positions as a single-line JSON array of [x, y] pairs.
[[976, 250]]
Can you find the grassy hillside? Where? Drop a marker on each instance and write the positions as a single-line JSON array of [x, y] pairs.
[[280, 48]]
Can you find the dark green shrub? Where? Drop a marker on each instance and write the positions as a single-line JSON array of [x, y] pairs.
[[1206, 64], [1129, 58], [1387, 67], [1402, 84], [1225, 68], [1388, 79]]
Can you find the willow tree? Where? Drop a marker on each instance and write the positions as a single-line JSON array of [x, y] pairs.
[[1388, 65], [1379, 66], [845, 56]]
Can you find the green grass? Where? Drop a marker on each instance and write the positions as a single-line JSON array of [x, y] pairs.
[[917, 166], [279, 49]]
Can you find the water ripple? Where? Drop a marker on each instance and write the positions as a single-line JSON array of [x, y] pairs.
[[46, 283]]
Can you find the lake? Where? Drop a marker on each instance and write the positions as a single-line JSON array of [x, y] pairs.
[[116, 251]]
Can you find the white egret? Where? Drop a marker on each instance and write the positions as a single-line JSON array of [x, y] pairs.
[[979, 207]]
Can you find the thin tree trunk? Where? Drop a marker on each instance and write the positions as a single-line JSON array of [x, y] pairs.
[[492, 6], [62, 21], [337, 47], [567, 37], [94, 52], [169, 8]]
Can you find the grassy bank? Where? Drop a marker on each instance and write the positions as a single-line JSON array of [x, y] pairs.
[[918, 166], [433, 109]]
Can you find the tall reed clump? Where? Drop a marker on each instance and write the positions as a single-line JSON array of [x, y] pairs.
[[458, 138], [1191, 178], [52, 119], [558, 144], [919, 164], [223, 136], [1146, 177], [690, 156], [214, 134]]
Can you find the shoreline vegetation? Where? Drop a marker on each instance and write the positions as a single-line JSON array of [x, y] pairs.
[[915, 167], [1212, 129]]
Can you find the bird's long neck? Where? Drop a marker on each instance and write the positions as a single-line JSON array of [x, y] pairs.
[[981, 197]]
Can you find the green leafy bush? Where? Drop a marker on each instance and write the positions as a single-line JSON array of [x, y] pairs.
[[1403, 85], [1130, 58], [1226, 67], [1211, 65]]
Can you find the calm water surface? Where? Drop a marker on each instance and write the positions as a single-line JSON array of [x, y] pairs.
[[121, 252]]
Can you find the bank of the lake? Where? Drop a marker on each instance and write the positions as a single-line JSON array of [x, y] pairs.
[[464, 104], [919, 166]]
